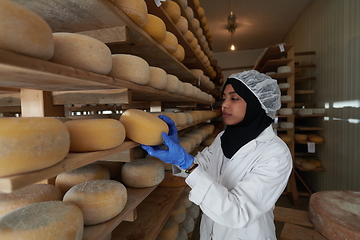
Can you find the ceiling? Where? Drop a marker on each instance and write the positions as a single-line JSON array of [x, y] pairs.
[[260, 23]]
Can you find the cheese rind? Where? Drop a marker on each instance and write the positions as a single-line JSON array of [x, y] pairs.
[[174, 11], [172, 83], [170, 42], [88, 135], [99, 200], [179, 54], [158, 78], [31, 143], [155, 27], [24, 32], [43, 221], [136, 10], [142, 173], [143, 127], [82, 52]]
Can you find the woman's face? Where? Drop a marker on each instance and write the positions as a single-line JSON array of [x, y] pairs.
[[233, 106]]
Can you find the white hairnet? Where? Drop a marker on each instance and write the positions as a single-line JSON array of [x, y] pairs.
[[264, 88]]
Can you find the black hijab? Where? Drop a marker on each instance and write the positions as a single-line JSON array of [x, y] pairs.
[[254, 122]]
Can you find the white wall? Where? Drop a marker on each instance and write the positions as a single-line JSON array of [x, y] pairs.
[[332, 29]]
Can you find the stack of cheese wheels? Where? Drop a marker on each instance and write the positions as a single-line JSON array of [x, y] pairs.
[[136, 10], [158, 78], [188, 224], [99, 200], [43, 221], [178, 213], [181, 118], [143, 127], [170, 229], [172, 83], [171, 115], [182, 235], [155, 27], [82, 52], [130, 68], [174, 11], [142, 173], [194, 211], [28, 195], [67, 180], [31, 143], [24, 32], [170, 42], [95, 134]]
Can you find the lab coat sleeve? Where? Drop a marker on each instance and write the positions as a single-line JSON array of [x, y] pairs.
[[252, 197]]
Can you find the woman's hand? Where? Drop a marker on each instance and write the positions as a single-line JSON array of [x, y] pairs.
[[173, 133]]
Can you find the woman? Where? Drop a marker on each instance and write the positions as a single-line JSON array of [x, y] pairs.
[[237, 180]]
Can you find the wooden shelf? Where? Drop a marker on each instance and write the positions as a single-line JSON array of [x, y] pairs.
[[305, 128], [100, 231], [281, 75], [70, 162], [301, 79], [271, 53], [318, 169], [310, 115], [305, 66], [272, 65], [305, 142], [153, 212], [305, 91]]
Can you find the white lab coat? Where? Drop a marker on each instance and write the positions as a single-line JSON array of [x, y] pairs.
[[238, 200]]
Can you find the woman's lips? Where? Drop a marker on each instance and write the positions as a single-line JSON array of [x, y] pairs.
[[225, 114]]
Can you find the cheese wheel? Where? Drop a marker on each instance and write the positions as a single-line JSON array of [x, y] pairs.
[[188, 89], [197, 3], [194, 43], [43, 221], [183, 25], [136, 10], [191, 140], [201, 12], [179, 54], [194, 211], [184, 199], [189, 117], [143, 127], [130, 68], [316, 139], [95, 134], [189, 36], [285, 111], [178, 213], [183, 235], [28, 195], [172, 181], [31, 143], [82, 52], [181, 118], [155, 27], [181, 88], [170, 42], [300, 137], [183, 3], [188, 224], [67, 180], [174, 11], [172, 83], [170, 229], [167, 166], [299, 160], [158, 78], [285, 138], [186, 145], [196, 24], [99, 200], [142, 173], [24, 32], [318, 163], [189, 13], [208, 141], [171, 115], [308, 165]]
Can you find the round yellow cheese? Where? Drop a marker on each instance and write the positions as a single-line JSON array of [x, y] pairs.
[[183, 235], [181, 118], [165, 3], [143, 127], [201, 12], [197, 3], [95, 134], [185, 144], [189, 13], [82, 52], [67, 180], [31, 143], [183, 3], [142, 173], [184, 199], [300, 137], [43, 221], [308, 165], [158, 78], [317, 162], [171, 115], [155, 27], [285, 138], [24, 32], [183, 25], [28, 195], [170, 229], [194, 43], [188, 89], [178, 213], [174, 11], [189, 36], [172, 83], [191, 140], [316, 139], [130, 68], [179, 54], [196, 23], [136, 10], [99, 200], [170, 42]]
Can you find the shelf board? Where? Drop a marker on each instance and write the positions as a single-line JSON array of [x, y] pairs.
[[100, 231], [305, 53], [305, 142], [281, 75], [311, 91], [310, 115], [317, 169], [285, 116], [271, 53], [153, 212], [306, 128], [272, 65], [70, 162], [305, 66]]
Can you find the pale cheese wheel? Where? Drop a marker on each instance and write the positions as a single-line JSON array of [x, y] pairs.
[[99, 200], [183, 25], [188, 89], [287, 125], [208, 141], [136, 10], [178, 213], [191, 140], [183, 235], [171, 115], [95, 134], [172, 83], [181, 88], [186, 145], [170, 229], [179, 54], [174, 11], [43, 221], [188, 224], [82, 52], [197, 3], [189, 117], [183, 3], [181, 118], [158, 78], [31, 143], [143, 127], [196, 23], [308, 165], [167, 166], [24, 32], [170, 42], [189, 13], [194, 211], [130, 68], [67, 180], [184, 199], [155, 27], [194, 43], [196, 136], [28, 195], [142, 173], [285, 111]]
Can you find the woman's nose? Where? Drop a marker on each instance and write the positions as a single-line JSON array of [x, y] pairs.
[[224, 104]]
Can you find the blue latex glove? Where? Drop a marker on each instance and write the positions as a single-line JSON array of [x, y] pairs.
[[173, 133], [174, 154]]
